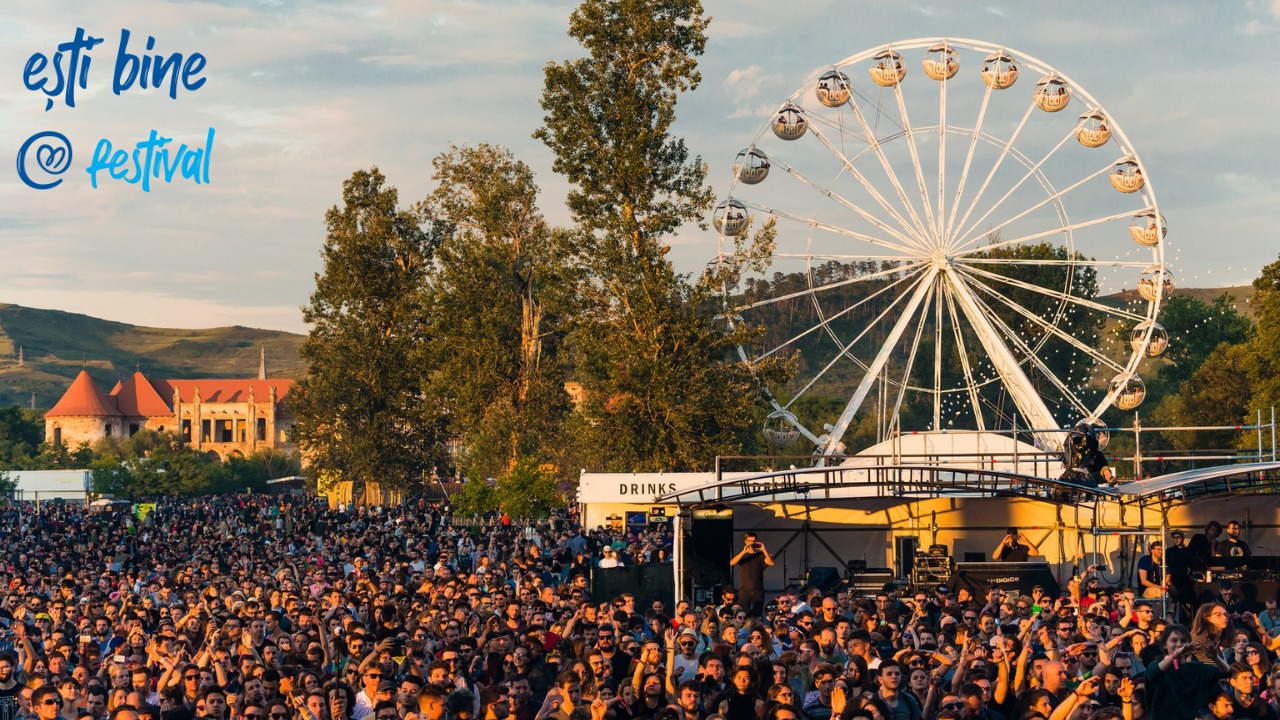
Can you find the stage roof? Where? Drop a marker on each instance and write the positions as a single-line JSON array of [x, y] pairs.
[[883, 481], [931, 481], [1218, 481]]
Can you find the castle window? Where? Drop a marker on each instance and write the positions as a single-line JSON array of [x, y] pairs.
[[222, 431], [57, 435], [108, 432], [186, 430], [206, 430], [133, 429], [261, 430]]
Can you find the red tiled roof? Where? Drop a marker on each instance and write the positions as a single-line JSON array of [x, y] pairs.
[[83, 399], [138, 398], [226, 391]]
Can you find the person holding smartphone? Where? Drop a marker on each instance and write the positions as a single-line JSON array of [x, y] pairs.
[[1015, 547], [751, 561]]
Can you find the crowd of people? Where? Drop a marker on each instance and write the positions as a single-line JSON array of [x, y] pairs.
[[271, 608]]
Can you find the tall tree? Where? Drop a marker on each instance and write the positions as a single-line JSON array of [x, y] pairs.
[[662, 391], [1266, 343], [364, 413], [500, 295]]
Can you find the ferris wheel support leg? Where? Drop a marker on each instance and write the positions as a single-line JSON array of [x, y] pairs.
[[1024, 394], [873, 370]]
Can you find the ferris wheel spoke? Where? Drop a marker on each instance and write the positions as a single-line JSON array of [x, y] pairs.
[[971, 239], [844, 350], [826, 322], [968, 160], [831, 286], [1057, 294], [937, 355], [1029, 354], [1078, 262], [915, 161], [1047, 233], [1013, 379], [853, 207], [913, 227], [971, 386], [874, 142], [1004, 153], [915, 348], [942, 158], [853, 256], [877, 365], [872, 240], [1050, 327], [1030, 173]]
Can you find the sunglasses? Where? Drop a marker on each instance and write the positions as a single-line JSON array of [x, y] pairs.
[[953, 706]]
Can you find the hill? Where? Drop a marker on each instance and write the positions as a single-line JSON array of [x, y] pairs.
[[56, 344], [1241, 297]]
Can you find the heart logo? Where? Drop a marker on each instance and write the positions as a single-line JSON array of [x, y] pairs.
[[50, 158]]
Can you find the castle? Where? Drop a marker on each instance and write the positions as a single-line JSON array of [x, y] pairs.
[[227, 418]]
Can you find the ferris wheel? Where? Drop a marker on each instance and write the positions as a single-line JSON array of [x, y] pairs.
[[952, 248]]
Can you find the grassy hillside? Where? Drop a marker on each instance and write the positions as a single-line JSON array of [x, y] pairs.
[[56, 344], [1241, 295]]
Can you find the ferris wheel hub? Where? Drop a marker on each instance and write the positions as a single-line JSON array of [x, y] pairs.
[[939, 258]]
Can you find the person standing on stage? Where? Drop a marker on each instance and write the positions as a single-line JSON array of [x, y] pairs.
[[1177, 562], [1205, 545], [1232, 545], [1015, 547], [751, 561]]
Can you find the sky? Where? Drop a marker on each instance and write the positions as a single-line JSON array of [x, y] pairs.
[[301, 94]]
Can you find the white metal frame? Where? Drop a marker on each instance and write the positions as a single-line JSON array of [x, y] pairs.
[[933, 239]]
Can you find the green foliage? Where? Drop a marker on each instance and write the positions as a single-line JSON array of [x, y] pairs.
[[1266, 343], [7, 484], [503, 286], [1196, 329], [21, 434], [608, 116], [663, 390], [529, 490], [151, 464], [478, 496], [1219, 392], [252, 472], [364, 412]]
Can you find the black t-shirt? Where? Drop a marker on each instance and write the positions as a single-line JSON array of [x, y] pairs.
[[1016, 552], [751, 573], [1228, 547], [9, 702]]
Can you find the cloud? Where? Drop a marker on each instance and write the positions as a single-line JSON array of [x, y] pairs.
[[745, 85]]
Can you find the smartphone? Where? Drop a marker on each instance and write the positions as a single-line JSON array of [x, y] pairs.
[[86, 638], [117, 659]]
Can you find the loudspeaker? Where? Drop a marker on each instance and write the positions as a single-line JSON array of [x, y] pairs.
[[904, 556], [708, 551], [824, 578]]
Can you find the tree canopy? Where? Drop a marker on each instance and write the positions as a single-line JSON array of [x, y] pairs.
[[364, 411]]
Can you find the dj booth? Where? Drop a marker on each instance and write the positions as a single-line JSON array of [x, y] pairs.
[[1254, 579], [1020, 576]]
